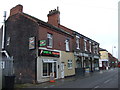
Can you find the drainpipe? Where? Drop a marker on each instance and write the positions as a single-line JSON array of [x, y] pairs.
[[3, 34]]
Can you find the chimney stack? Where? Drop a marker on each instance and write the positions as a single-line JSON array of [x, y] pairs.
[[16, 9], [54, 17]]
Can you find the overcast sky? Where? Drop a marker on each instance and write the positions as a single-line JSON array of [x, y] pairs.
[[96, 19]]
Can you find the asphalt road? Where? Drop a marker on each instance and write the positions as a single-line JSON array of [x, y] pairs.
[[108, 79], [102, 79]]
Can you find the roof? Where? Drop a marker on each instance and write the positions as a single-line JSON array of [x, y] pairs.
[[101, 49], [40, 22]]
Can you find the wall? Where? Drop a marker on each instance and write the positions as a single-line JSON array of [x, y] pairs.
[[104, 55], [20, 29], [58, 43], [65, 56]]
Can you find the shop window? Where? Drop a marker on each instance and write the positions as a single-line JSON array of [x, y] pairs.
[[69, 64], [49, 66], [67, 43], [47, 69], [49, 40]]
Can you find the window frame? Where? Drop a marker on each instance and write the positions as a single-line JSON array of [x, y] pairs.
[[90, 46], [49, 40], [67, 44], [85, 44], [70, 64], [77, 42]]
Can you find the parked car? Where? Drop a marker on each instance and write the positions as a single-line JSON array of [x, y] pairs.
[[119, 64]]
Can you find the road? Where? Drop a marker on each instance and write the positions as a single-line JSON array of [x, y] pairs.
[[102, 79]]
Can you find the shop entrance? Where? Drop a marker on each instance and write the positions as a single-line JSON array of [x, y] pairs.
[[49, 66]]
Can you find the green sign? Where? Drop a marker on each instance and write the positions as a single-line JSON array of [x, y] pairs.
[[42, 43]]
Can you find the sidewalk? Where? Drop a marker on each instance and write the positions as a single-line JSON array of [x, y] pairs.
[[58, 81]]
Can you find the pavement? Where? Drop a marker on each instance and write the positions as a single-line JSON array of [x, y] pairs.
[[57, 82]]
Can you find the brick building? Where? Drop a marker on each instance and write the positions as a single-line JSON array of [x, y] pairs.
[[40, 48]]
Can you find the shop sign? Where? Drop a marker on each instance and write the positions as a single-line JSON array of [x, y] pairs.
[[49, 53], [32, 43], [42, 43]]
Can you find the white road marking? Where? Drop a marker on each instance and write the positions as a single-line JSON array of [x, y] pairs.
[[96, 86], [107, 81]]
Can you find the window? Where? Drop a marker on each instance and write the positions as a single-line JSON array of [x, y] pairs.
[[67, 42], [49, 40], [93, 47], [47, 69], [49, 66], [8, 41], [96, 49], [85, 44], [90, 47], [69, 64], [77, 42]]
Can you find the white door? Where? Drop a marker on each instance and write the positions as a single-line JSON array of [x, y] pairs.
[[62, 70]]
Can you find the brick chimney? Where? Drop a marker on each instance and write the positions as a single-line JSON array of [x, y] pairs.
[[16, 9], [54, 17]]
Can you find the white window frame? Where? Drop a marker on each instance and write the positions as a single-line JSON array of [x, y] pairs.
[[67, 44], [49, 61], [77, 42], [70, 65], [90, 46], [96, 49], [93, 47], [85, 44], [50, 40]]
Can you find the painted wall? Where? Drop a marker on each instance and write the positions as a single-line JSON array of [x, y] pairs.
[[103, 55], [65, 56]]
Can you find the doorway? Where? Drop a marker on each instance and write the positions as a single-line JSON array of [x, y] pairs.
[[62, 70]]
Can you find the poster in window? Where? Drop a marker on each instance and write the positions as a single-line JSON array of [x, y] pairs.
[[32, 43]]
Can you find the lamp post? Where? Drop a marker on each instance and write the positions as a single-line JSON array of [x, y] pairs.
[[112, 49]]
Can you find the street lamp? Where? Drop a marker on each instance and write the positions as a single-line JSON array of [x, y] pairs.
[[112, 49]]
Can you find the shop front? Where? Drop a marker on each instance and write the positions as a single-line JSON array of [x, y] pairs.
[[96, 63], [48, 63]]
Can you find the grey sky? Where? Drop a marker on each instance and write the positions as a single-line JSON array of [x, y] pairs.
[[96, 19]]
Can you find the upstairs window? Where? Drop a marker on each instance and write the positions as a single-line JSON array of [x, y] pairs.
[[96, 49], [49, 40], [67, 44], [90, 47], [85, 44], [93, 47], [77, 42]]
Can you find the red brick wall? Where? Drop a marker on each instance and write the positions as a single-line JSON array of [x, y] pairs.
[[58, 38]]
